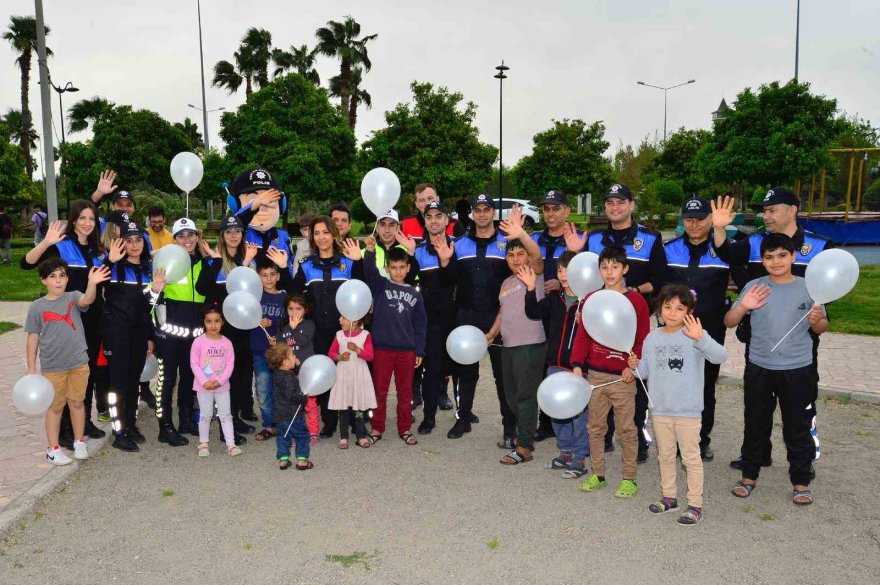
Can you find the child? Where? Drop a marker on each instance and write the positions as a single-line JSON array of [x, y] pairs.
[[610, 365], [674, 358], [352, 394], [559, 311], [212, 360], [776, 302], [299, 334], [399, 332], [54, 327], [263, 336], [287, 403]]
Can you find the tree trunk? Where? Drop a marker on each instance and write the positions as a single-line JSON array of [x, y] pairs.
[[345, 84], [25, 140], [352, 112], [247, 87]]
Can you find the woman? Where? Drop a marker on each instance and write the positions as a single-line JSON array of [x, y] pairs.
[[77, 244], [320, 275]]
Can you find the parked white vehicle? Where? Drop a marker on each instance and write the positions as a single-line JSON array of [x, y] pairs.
[[532, 214]]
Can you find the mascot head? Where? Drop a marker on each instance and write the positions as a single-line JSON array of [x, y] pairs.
[[245, 189]]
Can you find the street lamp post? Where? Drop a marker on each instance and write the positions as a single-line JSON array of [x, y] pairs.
[[67, 87], [205, 138], [797, 40], [500, 76], [665, 89], [202, 64]]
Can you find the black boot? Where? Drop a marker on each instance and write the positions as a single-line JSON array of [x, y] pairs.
[[458, 429], [125, 443], [239, 440], [92, 431], [147, 396], [241, 427], [136, 435], [426, 427], [65, 439], [168, 434], [187, 425]]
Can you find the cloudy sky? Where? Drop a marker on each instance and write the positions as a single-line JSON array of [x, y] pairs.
[[568, 59]]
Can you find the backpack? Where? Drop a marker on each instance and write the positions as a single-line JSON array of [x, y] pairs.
[[44, 225], [5, 228]]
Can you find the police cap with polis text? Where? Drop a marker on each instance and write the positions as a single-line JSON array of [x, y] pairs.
[[555, 197], [696, 207], [118, 194], [119, 218], [130, 229], [253, 180], [231, 223], [619, 191], [778, 195], [438, 205], [483, 199], [184, 224]]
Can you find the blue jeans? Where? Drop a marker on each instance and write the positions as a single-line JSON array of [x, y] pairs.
[[298, 432], [263, 378], [571, 434]]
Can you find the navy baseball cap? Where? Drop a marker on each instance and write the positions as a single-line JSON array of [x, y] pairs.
[[130, 229], [121, 194], [483, 199], [555, 197], [778, 195], [434, 205], [231, 223], [696, 207], [119, 218], [620, 191], [253, 180]]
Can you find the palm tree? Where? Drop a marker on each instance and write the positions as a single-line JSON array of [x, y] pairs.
[[12, 121], [358, 95], [340, 39], [191, 130], [85, 112], [22, 35], [251, 63], [300, 59]]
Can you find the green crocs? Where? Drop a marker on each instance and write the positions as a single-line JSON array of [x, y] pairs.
[[627, 489], [592, 484]]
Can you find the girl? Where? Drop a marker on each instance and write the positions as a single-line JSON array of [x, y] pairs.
[[212, 360], [352, 393], [674, 357], [299, 335], [320, 275], [77, 244], [127, 330], [287, 403]]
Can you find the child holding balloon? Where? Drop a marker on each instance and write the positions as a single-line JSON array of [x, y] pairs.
[[353, 393], [299, 334], [674, 358], [287, 409]]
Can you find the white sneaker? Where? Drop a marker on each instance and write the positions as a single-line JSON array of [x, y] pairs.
[[57, 457], [80, 451]]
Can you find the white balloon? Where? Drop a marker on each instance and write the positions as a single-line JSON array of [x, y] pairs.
[[564, 395], [610, 319], [33, 394], [151, 368], [583, 274], [244, 278], [831, 275], [174, 260], [466, 344], [353, 299], [380, 190], [187, 171], [242, 310], [317, 375]]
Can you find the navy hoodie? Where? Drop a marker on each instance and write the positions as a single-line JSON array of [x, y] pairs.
[[399, 321], [558, 321]]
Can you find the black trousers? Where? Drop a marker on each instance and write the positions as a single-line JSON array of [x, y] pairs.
[[241, 383], [173, 355], [352, 417], [126, 351], [796, 391], [466, 388], [435, 367], [641, 414], [323, 340], [716, 330], [98, 384]]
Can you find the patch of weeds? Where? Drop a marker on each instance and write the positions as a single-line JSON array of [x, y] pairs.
[[167, 493], [22, 525], [844, 398], [864, 433], [356, 558], [248, 546], [866, 414], [492, 543], [747, 509], [767, 517], [103, 453], [824, 400], [38, 516]]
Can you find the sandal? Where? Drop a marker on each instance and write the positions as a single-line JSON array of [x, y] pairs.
[[264, 435], [308, 465], [343, 443], [375, 439], [742, 490], [284, 464], [515, 458], [203, 450], [806, 497], [364, 442], [690, 517], [409, 439], [508, 444], [663, 505], [560, 462]]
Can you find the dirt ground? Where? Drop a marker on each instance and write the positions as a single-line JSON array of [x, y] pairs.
[[446, 511]]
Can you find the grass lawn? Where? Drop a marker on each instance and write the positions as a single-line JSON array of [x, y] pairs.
[[857, 312], [17, 284], [7, 326]]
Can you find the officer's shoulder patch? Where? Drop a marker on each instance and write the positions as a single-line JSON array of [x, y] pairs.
[[638, 243], [501, 245], [806, 248]]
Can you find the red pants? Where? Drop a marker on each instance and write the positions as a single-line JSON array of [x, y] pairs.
[[312, 420], [402, 365]]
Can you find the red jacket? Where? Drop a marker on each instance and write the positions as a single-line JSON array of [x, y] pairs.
[[414, 227], [587, 353]]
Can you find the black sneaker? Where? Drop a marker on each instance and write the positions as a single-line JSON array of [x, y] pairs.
[[474, 419], [168, 434], [444, 403], [137, 436], [543, 435], [239, 440], [459, 429], [188, 427], [609, 447], [327, 434], [242, 427], [66, 441], [707, 454], [251, 416], [643, 455], [125, 443], [738, 463], [92, 431], [426, 427]]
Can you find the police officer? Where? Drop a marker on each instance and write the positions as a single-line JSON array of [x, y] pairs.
[[647, 273], [414, 226], [780, 208], [693, 261]]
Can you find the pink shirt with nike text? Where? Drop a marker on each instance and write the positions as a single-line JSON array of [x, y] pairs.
[[211, 359]]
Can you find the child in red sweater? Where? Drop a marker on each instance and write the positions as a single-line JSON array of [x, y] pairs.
[[608, 365]]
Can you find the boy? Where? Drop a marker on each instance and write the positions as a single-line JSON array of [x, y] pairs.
[[609, 365], [54, 327], [264, 336], [524, 343], [558, 310], [775, 302], [288, 403], [399, 327]]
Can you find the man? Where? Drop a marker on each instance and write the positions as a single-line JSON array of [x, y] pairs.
[[647, 272], [482, 268], [693, 261], [780, 217], [388, 236], [340, 213], [122, 201], [302, 250], [159, 235], [414, 226], [39, 221], [5, 236]]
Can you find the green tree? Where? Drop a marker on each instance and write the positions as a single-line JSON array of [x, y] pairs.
[[567, 156], [22, 35], [290, 128], [85, 112], [677, 160], [771, 137], [668, 192], [298, 59], [631, 164], [358, 94], [491, 186], [191, 130], [13, 122], [433, 139], [251, 64], [13, 180], [340, 39]]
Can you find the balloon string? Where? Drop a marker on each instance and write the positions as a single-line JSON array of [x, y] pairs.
[[607, 384], [792, 329], [266, 332], [291, 420], [576, 313], [639, 376]]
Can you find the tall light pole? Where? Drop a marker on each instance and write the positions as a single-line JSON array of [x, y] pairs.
[[797, 39], [45, 102], [202, 64], [67, 87], [500, 76], [207, 150], [665, 89]]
